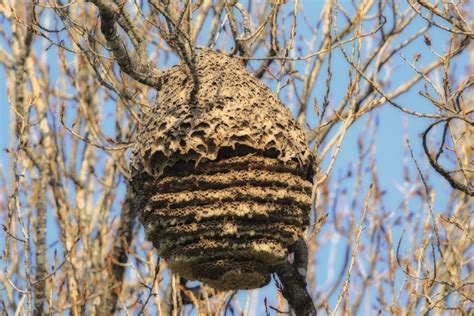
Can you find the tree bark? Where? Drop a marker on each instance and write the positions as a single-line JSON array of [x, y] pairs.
[[293, 280]]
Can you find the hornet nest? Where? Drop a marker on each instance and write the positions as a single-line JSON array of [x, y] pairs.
[[222, 184]]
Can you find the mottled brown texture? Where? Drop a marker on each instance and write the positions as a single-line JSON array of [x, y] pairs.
[[224, 185]]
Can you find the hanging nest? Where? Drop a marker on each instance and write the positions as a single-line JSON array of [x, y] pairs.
[[223, 186]]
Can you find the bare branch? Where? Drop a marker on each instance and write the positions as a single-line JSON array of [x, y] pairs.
[[138, 69], [292, 278], [468, 189]]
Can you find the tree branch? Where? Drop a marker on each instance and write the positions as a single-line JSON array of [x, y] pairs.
[[138, 69], [120, 252], [292, 278], [434, 163]]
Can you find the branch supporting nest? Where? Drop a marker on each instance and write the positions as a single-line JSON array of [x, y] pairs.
[[137, 68], [293, 281]]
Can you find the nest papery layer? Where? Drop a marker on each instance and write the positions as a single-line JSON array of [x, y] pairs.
[[228, 234], [234, 112]]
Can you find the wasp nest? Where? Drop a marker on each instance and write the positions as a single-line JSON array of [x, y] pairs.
[[223, 184]]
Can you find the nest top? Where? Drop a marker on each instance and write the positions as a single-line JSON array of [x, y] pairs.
[[235, 115]]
